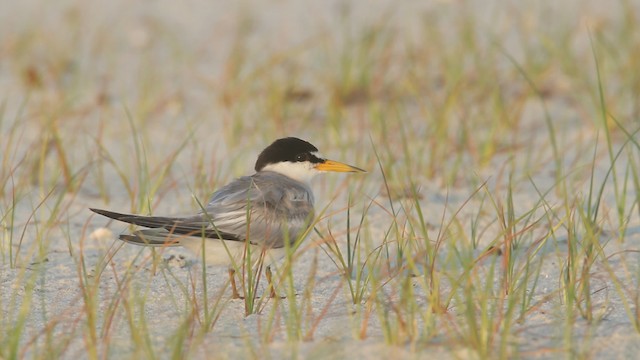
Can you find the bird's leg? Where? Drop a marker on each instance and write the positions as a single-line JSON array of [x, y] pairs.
[[234, 289], [269, 276]]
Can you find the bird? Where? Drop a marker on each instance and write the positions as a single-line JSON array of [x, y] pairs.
[[268, 211]]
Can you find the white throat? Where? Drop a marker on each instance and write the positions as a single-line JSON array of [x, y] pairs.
[[299, 171]]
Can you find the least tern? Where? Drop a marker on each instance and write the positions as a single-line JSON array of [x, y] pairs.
[[264, 210]]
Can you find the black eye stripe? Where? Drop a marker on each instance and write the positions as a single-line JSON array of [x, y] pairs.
[[315, 160], [308, 157]]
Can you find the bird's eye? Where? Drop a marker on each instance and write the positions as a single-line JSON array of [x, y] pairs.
[[302, 157]]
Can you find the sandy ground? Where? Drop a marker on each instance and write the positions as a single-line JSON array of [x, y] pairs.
[[206, 32]]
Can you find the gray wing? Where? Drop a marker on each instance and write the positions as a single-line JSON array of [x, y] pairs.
[[267, 207]]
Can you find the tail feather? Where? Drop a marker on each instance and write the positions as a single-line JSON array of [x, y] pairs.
[[150, 238]]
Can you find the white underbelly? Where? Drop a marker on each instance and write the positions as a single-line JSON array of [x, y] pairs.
[[218, 252]]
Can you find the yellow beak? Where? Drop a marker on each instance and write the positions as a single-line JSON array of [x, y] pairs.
[[330, 165]]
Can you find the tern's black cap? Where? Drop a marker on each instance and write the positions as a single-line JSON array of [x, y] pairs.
[[287, 149]]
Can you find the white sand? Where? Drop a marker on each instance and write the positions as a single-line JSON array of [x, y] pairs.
[[204, 33]]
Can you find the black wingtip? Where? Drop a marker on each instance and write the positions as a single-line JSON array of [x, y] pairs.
[[109, 214], [140, 220], [98, 211]]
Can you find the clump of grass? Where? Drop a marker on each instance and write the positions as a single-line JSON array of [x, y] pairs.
[[353, 265]]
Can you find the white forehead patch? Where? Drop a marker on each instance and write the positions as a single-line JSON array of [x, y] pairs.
[[300, 171]]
